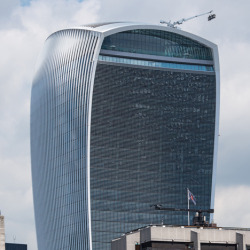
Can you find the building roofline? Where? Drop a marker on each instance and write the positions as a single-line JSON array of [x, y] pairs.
[[182, 226], [110, 28]]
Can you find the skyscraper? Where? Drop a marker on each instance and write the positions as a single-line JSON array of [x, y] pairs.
[[123, 116]]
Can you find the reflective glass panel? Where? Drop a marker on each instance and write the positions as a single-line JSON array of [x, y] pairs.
[[157, 42], [168, 65]]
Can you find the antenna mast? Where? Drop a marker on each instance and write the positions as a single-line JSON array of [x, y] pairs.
[[181, 21], [198, 220]]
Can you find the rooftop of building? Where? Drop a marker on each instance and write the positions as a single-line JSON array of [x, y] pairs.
[[214, 227], [109, 28]]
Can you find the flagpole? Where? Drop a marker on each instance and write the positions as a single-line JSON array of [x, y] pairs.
[[188, 206]]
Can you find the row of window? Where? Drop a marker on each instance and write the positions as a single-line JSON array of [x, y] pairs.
[[156, 64]]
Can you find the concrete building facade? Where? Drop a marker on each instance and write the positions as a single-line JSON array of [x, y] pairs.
[[163, 237]]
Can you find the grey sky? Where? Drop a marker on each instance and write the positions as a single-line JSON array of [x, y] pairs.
[[23, 30]]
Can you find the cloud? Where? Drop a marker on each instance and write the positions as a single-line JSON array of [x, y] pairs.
[[232, 206], [6, 9], [234, 141], [25, 2]]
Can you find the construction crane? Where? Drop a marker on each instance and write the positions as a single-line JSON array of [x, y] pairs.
[[181, 21], [198, 220]]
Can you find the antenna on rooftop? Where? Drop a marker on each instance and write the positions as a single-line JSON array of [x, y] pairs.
[[198, 220], [181, 21]]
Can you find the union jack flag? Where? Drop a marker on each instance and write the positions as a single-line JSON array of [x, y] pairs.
[[191, 197]]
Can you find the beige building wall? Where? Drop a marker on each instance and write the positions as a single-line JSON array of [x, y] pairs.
[[197, 235], [2, 233]]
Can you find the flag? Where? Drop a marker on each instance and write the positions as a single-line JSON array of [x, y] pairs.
[[191, 197]]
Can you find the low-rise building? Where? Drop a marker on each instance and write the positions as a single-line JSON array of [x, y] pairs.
[[3, 244], [161, 237]]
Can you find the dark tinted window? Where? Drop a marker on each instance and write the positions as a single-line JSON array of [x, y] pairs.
[[152, 136], [167, 245], [13, 246], [218, 247], [156, 42]]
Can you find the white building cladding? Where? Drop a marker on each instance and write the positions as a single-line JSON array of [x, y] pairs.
[[123, 116]]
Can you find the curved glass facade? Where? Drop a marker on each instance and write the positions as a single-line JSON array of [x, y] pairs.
[[152, 132], [152, 136], [157, 42], [113, 134], [59, 137]]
